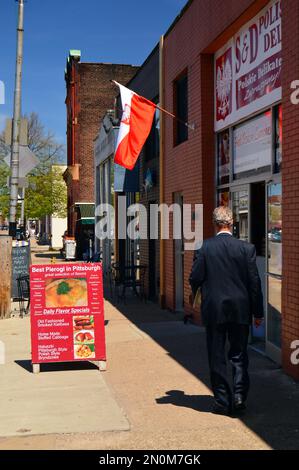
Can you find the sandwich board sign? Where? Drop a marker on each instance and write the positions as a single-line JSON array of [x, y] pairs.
[[67, 313]]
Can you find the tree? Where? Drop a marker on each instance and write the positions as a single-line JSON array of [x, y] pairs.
[[46, 192], [46, 195], [43, 144], [4, 173], [4, 191]]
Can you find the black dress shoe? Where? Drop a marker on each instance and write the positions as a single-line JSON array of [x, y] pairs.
[[220, 410], [239, 403]]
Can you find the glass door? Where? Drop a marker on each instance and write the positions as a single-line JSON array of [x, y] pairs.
[[274, 270], [240, 207], [248, 205], [258, 239]]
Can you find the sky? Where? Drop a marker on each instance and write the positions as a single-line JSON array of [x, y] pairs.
[[114, 31]]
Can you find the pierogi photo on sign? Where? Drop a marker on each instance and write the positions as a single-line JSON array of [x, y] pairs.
[[66, 292]]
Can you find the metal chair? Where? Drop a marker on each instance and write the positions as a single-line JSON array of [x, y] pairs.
[[115, 281], [24, 293], [140, 282]]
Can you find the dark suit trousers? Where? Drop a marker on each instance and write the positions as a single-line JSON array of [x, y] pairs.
[[237, 336]]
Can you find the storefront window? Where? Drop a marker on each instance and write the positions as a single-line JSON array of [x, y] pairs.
[[223, 157], [275, 228], [253, 146], [112, 181], [278, 138], [152, 145]]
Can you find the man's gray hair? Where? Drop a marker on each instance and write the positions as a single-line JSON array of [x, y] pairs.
[[223, 216]]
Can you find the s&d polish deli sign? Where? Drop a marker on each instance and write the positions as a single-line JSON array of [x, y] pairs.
[[248, 68]]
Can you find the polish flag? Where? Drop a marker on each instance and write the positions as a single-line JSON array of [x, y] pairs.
[[135, 126]]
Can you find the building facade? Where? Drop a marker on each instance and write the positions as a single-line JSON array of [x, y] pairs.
[[112, 181], [146, 83], [228, 68], [89, 93]]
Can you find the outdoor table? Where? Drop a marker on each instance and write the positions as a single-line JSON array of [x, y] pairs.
[[129, 276]]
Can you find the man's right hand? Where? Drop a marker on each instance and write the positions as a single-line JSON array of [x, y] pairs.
[[258, 322]]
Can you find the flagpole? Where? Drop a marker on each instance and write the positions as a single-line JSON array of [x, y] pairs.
[[190, 126]]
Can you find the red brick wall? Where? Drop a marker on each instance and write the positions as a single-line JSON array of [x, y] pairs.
[[189, 167], [94, 94], [290, 183]]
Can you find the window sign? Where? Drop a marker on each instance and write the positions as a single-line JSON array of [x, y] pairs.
[[248, 68], [223, 157], [253, 145], [223, 198]]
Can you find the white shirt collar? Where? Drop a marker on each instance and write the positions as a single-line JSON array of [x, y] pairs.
[[224, 231]]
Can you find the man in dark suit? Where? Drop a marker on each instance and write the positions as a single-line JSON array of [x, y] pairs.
[[225, 270]]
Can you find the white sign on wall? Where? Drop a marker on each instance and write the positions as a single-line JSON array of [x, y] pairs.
[[252, 144], [248, 68]]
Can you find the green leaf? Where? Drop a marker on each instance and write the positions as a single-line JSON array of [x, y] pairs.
[[63, 288]]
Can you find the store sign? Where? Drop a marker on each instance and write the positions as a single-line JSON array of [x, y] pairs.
[[253, 144], [67, 312], [20, 264], [248, 68]]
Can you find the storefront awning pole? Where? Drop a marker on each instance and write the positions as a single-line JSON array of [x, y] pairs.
[[161, 171]]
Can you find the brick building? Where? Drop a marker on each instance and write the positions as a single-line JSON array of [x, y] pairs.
[[89, 94], [146, 83], [227, 68]]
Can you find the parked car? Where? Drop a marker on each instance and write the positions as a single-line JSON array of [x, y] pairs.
[[275, 235]]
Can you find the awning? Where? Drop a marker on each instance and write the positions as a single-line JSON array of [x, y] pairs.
[[85, 212]]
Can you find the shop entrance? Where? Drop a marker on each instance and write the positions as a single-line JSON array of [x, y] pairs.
[[274, 270], [258, 239], [179, 259], [257, 209], [249, 209]]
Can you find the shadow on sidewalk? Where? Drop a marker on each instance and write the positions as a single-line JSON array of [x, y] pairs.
[[202, 403], [57, 366], [273, 403], [49, 255]]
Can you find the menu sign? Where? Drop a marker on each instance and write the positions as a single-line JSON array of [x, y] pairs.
[[67, 312], [248, 68], [20, 264]]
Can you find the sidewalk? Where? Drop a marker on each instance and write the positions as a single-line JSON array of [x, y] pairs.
[[154, 395]]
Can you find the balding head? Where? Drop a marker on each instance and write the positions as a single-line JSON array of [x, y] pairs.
[[223, 218]]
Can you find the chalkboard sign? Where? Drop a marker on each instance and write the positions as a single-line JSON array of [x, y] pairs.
[[20, 265]]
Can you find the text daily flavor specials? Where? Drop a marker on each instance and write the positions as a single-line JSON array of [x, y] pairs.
[[67, 319]]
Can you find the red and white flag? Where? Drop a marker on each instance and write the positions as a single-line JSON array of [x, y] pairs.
[[135, 126]]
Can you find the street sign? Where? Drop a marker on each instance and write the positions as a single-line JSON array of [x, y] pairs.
[[23, 182], [23, 132], [27, 161]]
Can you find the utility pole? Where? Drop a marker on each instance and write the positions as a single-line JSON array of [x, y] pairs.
[[14, 161]]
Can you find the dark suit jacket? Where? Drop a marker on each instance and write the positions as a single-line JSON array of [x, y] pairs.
[[225, 269]]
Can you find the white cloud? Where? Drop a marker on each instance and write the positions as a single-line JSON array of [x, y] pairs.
[[2, 92]]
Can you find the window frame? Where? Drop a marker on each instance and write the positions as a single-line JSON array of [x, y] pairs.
[[178, 125]]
